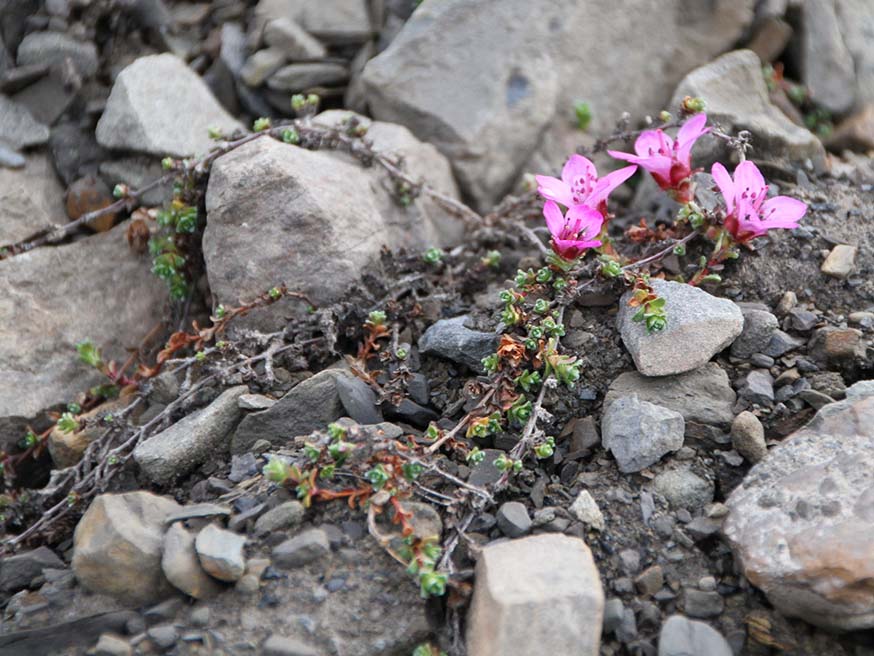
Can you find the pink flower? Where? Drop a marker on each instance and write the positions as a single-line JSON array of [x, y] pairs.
[[748, 214], [574, 232], [668, 160], [580, 184]]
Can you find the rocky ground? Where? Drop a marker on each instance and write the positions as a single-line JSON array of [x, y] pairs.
[[710, 489]]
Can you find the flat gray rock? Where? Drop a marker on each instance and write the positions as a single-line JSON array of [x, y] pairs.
[[451, 339], [639, 433], [684, 637], [54, 48], [158, 105], [31, 198], [18, 127], [699, 326]]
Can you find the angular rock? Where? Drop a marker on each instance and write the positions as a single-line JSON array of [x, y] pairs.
[[111, 645], [639, 433], [261, 65], [827, 68], [284, 516], [190, 442], [553, 576], [801, 524], [492, 97], [586, 509], [314, 218], [17, 571], [160, 106], [333, 21], [513, 519], [37, 341], [684, 637], [220, 552], [277, 645], [698, 327], [31, 198], [18, 127], [703, 395], [684, 489], [758, 387], [286, 35], [856, 132], [117, 546], [137, 172], [182, 568], [54, 48], [840, 261], [759, 327], [734, 90], [310, 405], [781, 343], [451, 339], [303, 548]]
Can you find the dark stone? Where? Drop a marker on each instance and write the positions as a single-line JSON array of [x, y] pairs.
[[359, 400], [16, 572]]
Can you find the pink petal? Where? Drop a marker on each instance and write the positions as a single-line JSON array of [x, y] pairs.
[[554, 218], [585, 220], [651, 142], [658, 165], [688, 135], [554, 189], [725, 183], [608, 183], [628, 157], [783, 212], [747, 177], [578, 166]]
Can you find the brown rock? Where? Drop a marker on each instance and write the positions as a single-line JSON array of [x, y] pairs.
[[856, 132], [181, 566], [770, 39], [838, 345], [802, 522], [840, 261], [90, 194]]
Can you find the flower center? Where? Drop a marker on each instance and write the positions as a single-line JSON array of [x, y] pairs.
[[582, 187]]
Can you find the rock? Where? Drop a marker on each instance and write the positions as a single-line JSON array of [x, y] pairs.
[[639, 433], [770, 39], [614, 610], [837, 346], [359, 400], [827, 68], [703, 395], [30, 198], [758, 387], [255, 402], [486, 473], [553, 576], [302, 549], [9, 159], [333, 21], [54, 48], [221, 552], [840, 261], [181, 566], [117, 546], [18, 128], [684, 637], [266, 199], [702, 604], [137, 172], [734, 91], [18, 570], [310, 405], [36, 346], [277, 645], [650, 581], [261, 65], [66, 449], [585, 509], [698, 326], [684, 489], [759, 327], [300, 77], [493, 100], [284, 516], [110, 645], [856, 132], [801, 523], [451, 339], [803, 320], [163, 636], [748, 437], [198, 511], [513, 519], [289, 37], [191, 441], [160, 106], [87, 195], [781, 343]]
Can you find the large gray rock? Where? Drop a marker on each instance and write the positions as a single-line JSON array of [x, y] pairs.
[[734, 90], [552, 603], [160, 106], [55, 48], [310, 405], [856, 19], [493, 85], [39, 367], [117, 546], [827, 67], [191, 441], [802, 522], [313, 220], [684, 637], [698, 327], [703, 395], [18, 127], [30, 198], [451, 339], [639, 433]]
